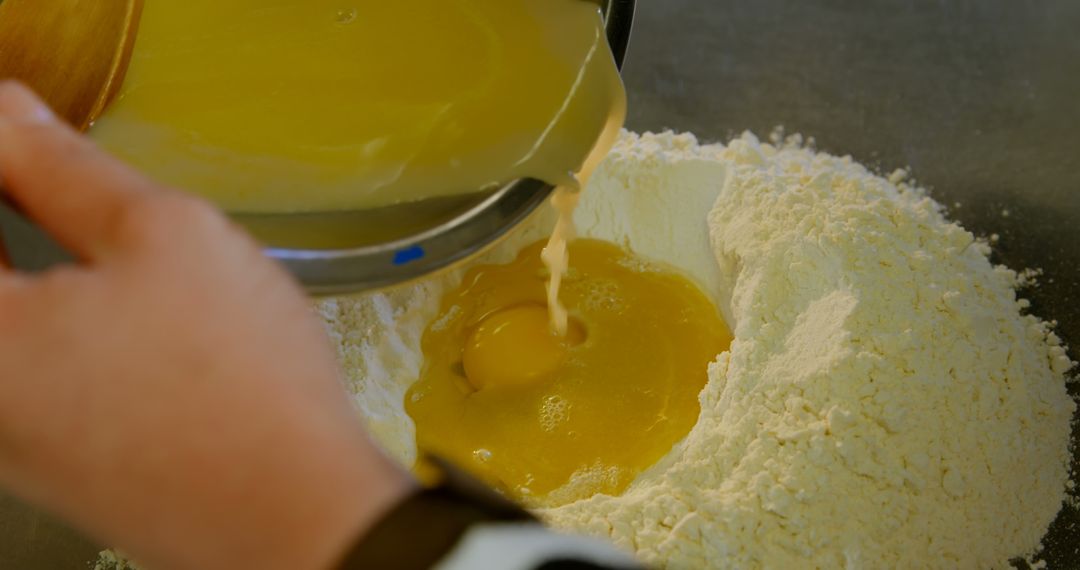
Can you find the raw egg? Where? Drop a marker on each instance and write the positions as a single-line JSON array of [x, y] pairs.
[[549, 418]]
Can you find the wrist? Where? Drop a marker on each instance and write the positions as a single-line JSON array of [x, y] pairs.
[[446, 510], [307, 496], [354, 500]]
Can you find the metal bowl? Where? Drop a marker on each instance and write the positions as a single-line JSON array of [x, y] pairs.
[[342, 252]]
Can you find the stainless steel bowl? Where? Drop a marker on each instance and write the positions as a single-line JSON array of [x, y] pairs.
[[342, 252]]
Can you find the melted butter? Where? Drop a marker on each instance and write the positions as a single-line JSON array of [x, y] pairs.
[[547, 418], [565, 201], [316, 105], [556, 255]]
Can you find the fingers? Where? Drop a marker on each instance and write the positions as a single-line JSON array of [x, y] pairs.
[[17, 103], [62, 181]]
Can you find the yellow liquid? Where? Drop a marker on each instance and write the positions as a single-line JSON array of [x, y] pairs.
[[318, 105], [549, 419]]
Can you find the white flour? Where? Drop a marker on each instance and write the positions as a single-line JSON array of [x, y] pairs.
[[885, 403]]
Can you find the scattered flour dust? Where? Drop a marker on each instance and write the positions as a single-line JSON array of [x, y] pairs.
[[886, 403]]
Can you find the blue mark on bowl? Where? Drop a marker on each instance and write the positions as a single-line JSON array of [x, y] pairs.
[[410, 255]]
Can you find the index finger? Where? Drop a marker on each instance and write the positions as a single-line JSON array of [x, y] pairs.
[[63, 182]]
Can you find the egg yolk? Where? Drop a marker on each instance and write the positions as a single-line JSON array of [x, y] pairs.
[[549, 419], [515, 347]]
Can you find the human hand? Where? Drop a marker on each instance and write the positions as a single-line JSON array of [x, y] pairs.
[[172, 393]]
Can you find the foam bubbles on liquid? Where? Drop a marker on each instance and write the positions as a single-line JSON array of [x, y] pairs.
[[345, 16], [444, 321], [638, 265], [586, 481], [554, 411], [600, 294]]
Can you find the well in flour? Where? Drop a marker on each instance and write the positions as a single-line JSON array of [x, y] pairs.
[[886, 402]]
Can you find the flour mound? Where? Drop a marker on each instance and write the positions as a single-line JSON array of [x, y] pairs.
[[886, 402]]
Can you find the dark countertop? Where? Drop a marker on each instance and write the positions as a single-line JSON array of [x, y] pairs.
[[980, 98]]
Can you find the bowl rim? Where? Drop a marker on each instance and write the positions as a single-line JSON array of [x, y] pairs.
[[371, 267]]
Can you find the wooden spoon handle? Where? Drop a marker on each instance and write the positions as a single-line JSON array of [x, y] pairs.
[[74, 53]]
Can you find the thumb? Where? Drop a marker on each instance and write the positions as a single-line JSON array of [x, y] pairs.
[[75, 191]]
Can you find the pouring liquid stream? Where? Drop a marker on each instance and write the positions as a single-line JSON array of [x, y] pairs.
[[565, 200]]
